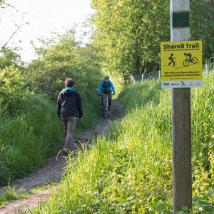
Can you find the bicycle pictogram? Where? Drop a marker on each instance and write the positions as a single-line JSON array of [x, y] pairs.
[[189, 59]]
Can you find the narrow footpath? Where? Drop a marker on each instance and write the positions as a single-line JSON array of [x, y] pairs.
[[52, 171]]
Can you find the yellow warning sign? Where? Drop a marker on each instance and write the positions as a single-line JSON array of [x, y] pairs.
[[181, 61]]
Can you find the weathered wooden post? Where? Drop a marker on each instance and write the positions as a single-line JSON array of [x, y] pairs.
[[181, 116]]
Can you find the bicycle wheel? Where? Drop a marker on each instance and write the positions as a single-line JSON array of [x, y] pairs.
[[104, 114], [105, 107], [194, 60], [185, 63]]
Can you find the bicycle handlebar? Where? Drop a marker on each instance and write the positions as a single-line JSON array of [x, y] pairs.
[[105, 94]]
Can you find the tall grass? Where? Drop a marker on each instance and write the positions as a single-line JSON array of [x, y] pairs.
[[27, 138], [130, 169], [30, 130]]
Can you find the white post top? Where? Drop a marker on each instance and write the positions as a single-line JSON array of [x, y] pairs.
[[180, 5], [180, 34]]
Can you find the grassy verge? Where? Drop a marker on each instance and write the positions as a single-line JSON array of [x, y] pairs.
[[91, 112], [27, 138], [10, 194], [129, 170], [29, 127]]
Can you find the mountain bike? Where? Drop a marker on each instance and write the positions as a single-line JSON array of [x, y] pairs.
[[105, 105]]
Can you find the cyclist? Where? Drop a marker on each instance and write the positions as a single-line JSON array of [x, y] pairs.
[[69, 108], [188, 56], [106, 87]]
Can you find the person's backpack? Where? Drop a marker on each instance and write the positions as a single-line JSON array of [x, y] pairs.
[[106, 86]]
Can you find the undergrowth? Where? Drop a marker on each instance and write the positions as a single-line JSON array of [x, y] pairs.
[[129, 170]]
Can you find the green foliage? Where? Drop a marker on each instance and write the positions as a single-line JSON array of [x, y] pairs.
[[10, 194], [63, 58], [129, 32], [130, 169], [203, 146], [202, 26], [9, 58], [29, 126], [12, 89], [25, 138], [26, 118]]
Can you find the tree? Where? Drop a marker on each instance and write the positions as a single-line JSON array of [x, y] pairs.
[[65, 57], [129, 32], [202, 25], [9, 58], [1, 2]]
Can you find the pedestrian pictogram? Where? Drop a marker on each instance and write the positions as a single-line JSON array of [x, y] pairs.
[[181, 64], [171, 60]]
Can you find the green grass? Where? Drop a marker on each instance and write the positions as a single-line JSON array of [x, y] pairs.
[[91, 112], [129, 170], [30, 130], [27, 138], [10, 194]]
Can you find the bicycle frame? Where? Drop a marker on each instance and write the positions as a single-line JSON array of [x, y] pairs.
[[105, 99], [105, 105]]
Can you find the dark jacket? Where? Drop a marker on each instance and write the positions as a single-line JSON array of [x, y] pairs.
[[69, 103]]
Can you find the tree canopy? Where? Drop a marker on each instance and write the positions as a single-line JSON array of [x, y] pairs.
[[129, 32]]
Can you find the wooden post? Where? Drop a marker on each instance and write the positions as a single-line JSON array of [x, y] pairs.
[[181, 116]]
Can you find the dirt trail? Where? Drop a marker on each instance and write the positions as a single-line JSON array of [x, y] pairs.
[[52, 171]]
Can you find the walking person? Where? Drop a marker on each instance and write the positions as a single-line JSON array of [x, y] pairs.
[[69, 108], [171, 60]]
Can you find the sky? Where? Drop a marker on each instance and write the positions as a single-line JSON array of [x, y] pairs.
[[38, 19]]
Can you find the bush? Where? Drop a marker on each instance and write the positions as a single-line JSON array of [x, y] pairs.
[[29, 126], [27, 138]]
